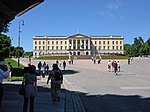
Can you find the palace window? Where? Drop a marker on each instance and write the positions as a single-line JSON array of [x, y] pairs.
[[86, 47], [116, 47], [74, 41], [120, 47], [69, 47], [70, 42], [86, 41], [99, 42], [35, 42], [78, 47], [99, 47], [116, 42], [95, 42], [104, 47], [113, 47], [61, 47], [78, 41], [112, 42]]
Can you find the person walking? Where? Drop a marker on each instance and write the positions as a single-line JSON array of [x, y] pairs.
[[3, 74], [47, 69], [56, 81], [57, 62], [60, 63], [118, 65], [109, 65], [64, 65], [39, 67], [9, 71], [115, 67], [128, 61], [44, 69], [30, 82]]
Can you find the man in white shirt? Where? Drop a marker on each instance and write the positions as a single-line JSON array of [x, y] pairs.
[[3, 74]]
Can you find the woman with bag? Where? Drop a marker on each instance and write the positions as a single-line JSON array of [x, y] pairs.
[[56, 81], [30, 82]]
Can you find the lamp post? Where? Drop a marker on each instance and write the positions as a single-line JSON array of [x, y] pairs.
[[21, 21]]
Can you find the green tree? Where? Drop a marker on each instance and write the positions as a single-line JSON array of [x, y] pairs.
[[138, 48], [127, 49], [19, 51], [138, 42], [148, 44], [5, 44]]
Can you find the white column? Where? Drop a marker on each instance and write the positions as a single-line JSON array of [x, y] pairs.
[[72, 44], [84, 43], [80, 43], [68, 44], [76, 44], [89, 45]]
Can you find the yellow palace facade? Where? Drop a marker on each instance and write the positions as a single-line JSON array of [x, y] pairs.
[[77, 44]]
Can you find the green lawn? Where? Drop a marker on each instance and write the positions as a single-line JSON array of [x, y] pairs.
[[13, 63]]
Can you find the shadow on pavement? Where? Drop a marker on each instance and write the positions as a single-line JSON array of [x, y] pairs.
[[92, 103], [115, 103], [69, 72]]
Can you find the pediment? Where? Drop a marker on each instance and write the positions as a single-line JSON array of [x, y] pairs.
[[78, 36]]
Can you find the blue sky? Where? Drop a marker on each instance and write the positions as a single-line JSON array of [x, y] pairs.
[[128, 18]]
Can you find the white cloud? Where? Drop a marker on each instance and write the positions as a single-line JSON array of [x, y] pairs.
[[111, 8]]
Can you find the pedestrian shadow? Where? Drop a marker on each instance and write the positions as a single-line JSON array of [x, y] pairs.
[[69, 72]]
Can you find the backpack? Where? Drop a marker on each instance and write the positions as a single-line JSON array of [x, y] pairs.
[[57, 76]]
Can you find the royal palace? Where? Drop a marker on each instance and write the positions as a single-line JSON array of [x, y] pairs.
[[77, 44]]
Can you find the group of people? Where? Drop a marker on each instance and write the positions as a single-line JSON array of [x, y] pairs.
[[59, 63], [30, 83], [43, 68], [114, 66], [94, 60]]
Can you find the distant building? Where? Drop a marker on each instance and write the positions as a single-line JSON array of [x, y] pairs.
[[77, 44]]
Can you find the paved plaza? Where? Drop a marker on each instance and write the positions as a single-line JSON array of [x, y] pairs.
[[90, 87]]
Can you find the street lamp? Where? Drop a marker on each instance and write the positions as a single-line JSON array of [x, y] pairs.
[[21, 21]]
